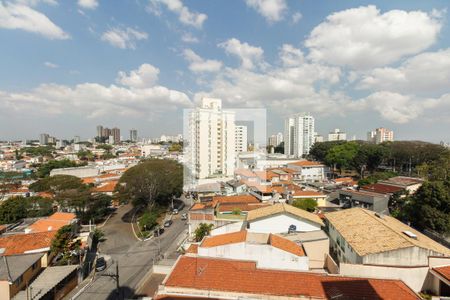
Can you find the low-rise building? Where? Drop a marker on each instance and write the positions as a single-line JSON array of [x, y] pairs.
[[373, 201], [360, 236], [282, 218], [308, 171]]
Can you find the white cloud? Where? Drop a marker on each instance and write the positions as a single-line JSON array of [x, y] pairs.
[[144, 77], [189, 38], [124, 38], [363, 37], [36, 2], [291, 56], [296, 17], [271, 10], [18, 16], [249, 55], [426, 73], [185, 16], [88, 4], [93, 100], [199, 65], [51, 65]]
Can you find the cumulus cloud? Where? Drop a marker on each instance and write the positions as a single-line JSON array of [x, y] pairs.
[[124, 38], [291, 56], [249, 55], [199, 65], [23, 17], [185, 15], [364, 37], [271, 10], [296, 17], [189, 38], [88, 4], [145, 76], [413, 75], [51, 65], [93, 100]]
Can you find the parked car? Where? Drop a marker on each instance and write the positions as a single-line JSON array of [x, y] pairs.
[[168, 223], [100, 264], [158, 231], [184, 217]]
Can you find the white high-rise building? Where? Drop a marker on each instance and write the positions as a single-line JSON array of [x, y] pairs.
[[337, 135], [241, 138], [380, 135], [211, 142], [298, 135], [276, 139]]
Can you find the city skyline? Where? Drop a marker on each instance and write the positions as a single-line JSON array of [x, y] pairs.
[[78, 66]]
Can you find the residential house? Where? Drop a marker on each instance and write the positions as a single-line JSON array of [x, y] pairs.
[[52, 223], [281, 218], [410, 184], [195, 277], [16, 271], [308, 171], [270, 251], [373, 201]]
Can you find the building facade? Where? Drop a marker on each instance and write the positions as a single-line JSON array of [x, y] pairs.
[[299, 135], [380, 135], [211, 147], [133, 135], [241, 138], [337, 135]]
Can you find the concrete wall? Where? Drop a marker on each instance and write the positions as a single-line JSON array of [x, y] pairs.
[[266, 256], [412, 256], [316, 252], [4, 290], [228, 228], [80, 172], [280, 224], [414, 277]]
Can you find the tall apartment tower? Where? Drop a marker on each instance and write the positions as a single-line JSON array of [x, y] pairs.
[[275, 139], [115, 132], [337, 135], [380, 135], [298, 135], [211, 141], [43, 138], [241, 138], [100, 131], [133, 135]]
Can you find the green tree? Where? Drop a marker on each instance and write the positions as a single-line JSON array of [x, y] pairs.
[[320, 150], [57, 183], [175, 147], [152, 181], [85, 155], [429, 207], [13, 210], [342, 156], [368, 157], [63, 243], [148, 220], [305, 204], [202, 230]]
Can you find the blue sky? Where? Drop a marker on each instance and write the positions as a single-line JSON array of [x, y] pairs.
[[67, 66]]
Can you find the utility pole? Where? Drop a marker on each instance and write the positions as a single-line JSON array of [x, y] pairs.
[[116, 278]]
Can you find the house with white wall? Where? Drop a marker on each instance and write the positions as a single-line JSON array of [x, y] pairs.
[[278, 218], [307, 171], [270, 251]]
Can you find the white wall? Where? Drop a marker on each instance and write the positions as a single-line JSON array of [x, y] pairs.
[[411, 256], [266, 256], [413, 277], [280, 224], [228, 228]]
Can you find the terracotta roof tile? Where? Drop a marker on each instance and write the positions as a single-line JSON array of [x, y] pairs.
[[209, 274], [21, 243], [193, 249], [286, 245], [381, 188], [62, 216], [224, 239], [107, 187], [241, 206], [234, 199], [443, 271], [307, 163], [282, 208]]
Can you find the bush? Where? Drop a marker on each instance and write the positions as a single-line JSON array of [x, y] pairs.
[[202, 230], [305, 204], [148, 220]]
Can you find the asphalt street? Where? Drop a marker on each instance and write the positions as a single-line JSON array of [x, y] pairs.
[[135, 258]]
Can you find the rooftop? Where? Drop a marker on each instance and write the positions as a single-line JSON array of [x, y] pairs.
[[443, 271], [209, 274], [306, 163], [253, 238], [243, 207], [282, 208], [234, 199], [381, 188], [12, 267], [23, 243], [367, 233]]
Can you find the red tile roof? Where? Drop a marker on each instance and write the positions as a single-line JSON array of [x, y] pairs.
[[107, 187], [234, 199], [307, 163], [225, 239], [199, 217], [228, 207], [62, 216], [53, 222], [381, 188], [443, 271], [243, 277], [193, 249], [286, 245], [21, 243]]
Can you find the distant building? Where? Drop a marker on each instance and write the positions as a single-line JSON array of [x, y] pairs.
[[77, 139], [99, 131], [298, 135], [115, 132], [133, 135], [380, 135], [318, 138], [211, 149], [241, 138], [337, 135], [275, 139], [43, 138]]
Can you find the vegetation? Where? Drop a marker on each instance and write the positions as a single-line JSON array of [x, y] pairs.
[[148, 220], [14, 209], [38, 151], [176, 147], [202, 230], [153, 181], [85, 155], [63, 244], [305, 204]]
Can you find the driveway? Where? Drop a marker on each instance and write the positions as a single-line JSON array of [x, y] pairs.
[[135, 258]]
